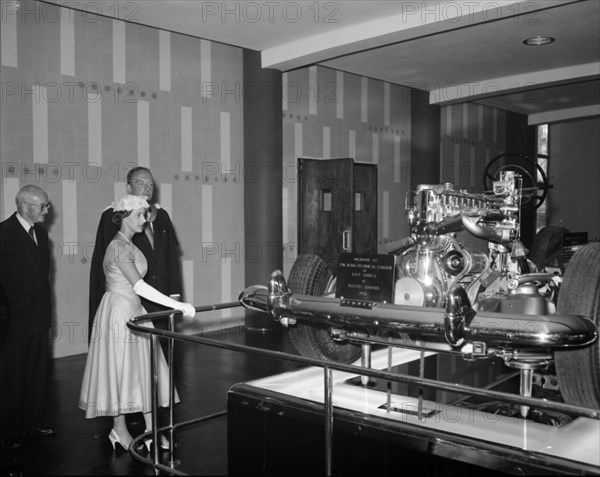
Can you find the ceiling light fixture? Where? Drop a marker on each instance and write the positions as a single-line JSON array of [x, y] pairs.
[[538, 40]]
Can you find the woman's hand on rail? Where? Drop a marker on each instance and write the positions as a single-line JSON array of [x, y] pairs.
[[188, 310]]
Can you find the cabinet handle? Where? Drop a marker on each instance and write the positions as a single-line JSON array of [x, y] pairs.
[[347, 240]]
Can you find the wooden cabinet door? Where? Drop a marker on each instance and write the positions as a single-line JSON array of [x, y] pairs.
[[337, 208], [325, 208], [364, 234]]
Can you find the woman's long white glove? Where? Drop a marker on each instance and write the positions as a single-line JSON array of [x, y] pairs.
[[150, 293]]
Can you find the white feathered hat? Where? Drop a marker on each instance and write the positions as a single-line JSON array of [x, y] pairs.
[[130, 202]]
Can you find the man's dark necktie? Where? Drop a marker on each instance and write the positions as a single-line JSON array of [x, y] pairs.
[[31, 234], [150, 233]]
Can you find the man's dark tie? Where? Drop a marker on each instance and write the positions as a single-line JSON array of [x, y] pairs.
[[31, 234], [149, 233]]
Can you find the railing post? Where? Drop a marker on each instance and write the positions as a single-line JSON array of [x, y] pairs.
[[328, 403], [154, 344], [170, 353]]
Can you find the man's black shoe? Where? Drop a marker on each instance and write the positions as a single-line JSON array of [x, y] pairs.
[[11, 443], [43, 431]]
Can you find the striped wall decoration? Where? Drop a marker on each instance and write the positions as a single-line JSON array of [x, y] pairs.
[[205, 64], [143, 133], [326, 142], [164, 58], [69, 214], [339, 107], [118, 50], [207, 214], [375, 148], [313, 90], [8, 35], [39, 103], [94, 102], [227, 294], [397, 162], [480, 123], [298, 143], [364, 99], [166, 199], [225, 141], [120, 189], [385, 214], [284, 91], [10, 187], [386, 103], [352, 143], [456, 165], [186, 139], [67, 45]]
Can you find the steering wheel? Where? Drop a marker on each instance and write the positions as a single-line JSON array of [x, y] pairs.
[[534, 191]]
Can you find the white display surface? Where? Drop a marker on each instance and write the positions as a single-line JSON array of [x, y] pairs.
[[578, 440]]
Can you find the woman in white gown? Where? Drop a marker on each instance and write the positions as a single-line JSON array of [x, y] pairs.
[[116, 379]]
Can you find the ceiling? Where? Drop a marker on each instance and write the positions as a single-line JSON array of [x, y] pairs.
[[458, 51]]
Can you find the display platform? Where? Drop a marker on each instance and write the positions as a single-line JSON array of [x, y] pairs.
[[276, 425]]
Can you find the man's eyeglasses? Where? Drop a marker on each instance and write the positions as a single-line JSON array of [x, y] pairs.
[[43, 207], [142, 184]]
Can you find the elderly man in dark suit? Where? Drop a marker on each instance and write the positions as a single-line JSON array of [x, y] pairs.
[[25, 277], [158, 243]]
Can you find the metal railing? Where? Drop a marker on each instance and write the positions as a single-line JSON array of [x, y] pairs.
[[328, 367]]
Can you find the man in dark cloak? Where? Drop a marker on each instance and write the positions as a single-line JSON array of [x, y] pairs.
[[158, 243]]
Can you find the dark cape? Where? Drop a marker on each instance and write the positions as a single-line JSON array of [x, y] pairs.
[[164, 266]]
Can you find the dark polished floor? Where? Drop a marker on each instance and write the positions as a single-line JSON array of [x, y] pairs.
[[203, 376]]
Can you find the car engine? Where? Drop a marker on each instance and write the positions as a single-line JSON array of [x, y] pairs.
[[432, 261]]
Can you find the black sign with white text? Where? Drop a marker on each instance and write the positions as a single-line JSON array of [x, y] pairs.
[[366, 277]]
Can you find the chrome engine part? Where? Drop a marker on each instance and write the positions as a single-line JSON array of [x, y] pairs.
[[432, 261]]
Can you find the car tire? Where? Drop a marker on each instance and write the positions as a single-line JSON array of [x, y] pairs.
[[546, 249], [578, 369], [310, 275]]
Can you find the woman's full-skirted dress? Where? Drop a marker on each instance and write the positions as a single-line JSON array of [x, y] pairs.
[[117, 377]]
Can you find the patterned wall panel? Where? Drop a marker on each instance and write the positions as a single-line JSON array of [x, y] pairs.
[[84, 99], [470, 136]]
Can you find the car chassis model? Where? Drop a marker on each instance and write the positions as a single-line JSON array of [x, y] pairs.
[[477, 305]]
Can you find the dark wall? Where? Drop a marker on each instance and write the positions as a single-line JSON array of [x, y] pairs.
[[574, 171], [425, 140]]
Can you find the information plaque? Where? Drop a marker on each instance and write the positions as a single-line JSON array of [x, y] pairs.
[[366, 277]]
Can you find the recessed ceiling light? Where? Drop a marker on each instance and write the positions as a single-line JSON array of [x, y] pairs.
[[538, 40]]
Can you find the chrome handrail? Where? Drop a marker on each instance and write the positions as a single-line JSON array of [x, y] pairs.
[[327, 366]]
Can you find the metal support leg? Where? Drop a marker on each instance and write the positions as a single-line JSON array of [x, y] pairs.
[[525, 388], [421, 375], [154, 344], [328, 403], [365, 361]]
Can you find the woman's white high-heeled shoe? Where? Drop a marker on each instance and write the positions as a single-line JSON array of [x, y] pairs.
[[163, 443], [116, 439]]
